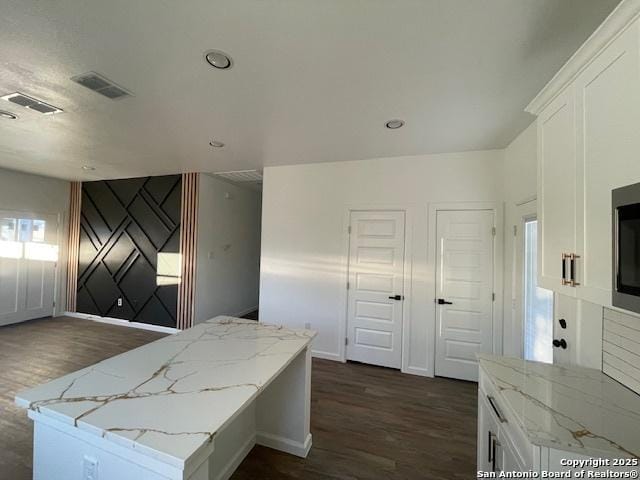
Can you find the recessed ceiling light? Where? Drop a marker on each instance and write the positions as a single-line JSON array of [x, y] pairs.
[[8, 115], [218, 59], [88, 168], [216, 144], [394, 124]]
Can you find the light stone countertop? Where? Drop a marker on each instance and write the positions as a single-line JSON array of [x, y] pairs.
[[569, 408], [167, 399]]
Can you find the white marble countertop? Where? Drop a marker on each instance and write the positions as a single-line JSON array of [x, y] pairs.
[[167, 399], [568, 408]]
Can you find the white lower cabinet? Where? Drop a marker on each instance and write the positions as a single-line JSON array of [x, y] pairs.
[[504, 447]]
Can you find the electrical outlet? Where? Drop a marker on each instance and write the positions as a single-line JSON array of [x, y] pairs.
[[89, 468], [120, 302], [307, 326]]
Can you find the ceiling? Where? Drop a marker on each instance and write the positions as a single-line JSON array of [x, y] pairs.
[[312, 81]]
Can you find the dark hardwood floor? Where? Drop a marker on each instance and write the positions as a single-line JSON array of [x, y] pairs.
[[367, 422]]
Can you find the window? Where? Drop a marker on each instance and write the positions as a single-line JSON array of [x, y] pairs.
[[8, 229], [538, 302]]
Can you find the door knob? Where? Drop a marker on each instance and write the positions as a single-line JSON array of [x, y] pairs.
[[442, 301], [562, 343], [396, 297]]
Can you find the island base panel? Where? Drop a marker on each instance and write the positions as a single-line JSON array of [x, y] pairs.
[[283, 410]]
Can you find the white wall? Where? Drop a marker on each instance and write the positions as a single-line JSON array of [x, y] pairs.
[[520, 187], [304, 238], [34, 194], [228, 253]]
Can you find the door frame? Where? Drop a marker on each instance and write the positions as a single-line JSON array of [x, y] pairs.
[[61, 252], [406, 281], [525, 212], [498, 268]]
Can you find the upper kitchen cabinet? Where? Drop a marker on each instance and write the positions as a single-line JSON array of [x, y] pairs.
[[557, 191], [608, 129], [588, 144]]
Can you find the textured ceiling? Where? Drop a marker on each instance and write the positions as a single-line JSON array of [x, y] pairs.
[[312, 81]]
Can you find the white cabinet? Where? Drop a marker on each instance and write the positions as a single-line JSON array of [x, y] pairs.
[[488, 428], [556, 191], [506, 456], [496, 452], [608, 112], [588, 145], [503, 445]]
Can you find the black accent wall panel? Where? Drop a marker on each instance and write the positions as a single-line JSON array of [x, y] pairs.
[[124, 224]]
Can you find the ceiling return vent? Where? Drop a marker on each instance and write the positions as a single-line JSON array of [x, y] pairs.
[[241, 176], [31, 103], [102, 85]]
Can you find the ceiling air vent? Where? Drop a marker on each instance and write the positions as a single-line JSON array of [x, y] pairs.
[[102, 85], [31, 103], [241, 176]]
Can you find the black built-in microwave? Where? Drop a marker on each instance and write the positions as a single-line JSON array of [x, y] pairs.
[[625, 203]]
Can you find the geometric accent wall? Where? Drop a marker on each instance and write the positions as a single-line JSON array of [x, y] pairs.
[[129, 249]]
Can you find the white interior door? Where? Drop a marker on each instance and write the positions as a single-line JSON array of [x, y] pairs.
[[376, 287], [464, 291], [28, 260]]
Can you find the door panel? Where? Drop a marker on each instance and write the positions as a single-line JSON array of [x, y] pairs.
[[28, 259], [464, 278], [556, 190], [376, 272]]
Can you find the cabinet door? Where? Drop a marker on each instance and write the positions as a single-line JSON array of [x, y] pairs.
[[556, 190], [608, 106], [488, 430], [506, 458]]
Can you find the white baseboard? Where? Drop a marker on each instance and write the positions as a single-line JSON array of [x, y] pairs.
[[284, 444], [236, 460], [121, 322], [246, 311], [326, 355]]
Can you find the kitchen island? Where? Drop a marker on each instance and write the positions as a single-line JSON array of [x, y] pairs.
[[188, 406]]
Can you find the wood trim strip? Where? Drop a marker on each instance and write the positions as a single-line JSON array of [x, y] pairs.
[[73, 244], [188, 245]]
